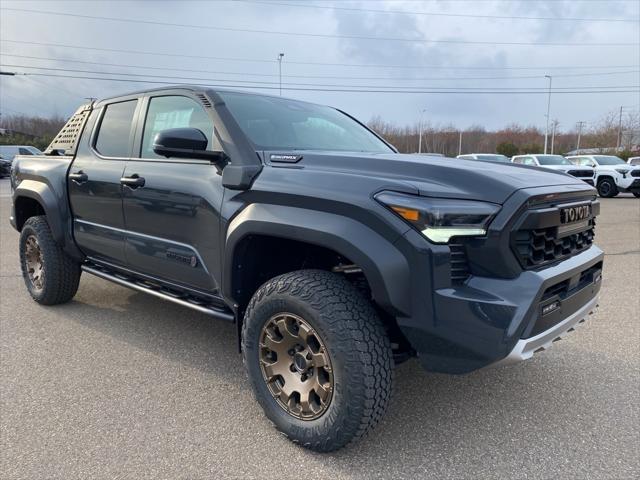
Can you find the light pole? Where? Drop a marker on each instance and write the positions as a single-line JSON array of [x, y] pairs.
[[280, 55], [546, 132], [460, 144], [420, 133], [619, 142], [553, 134], [580, 125]]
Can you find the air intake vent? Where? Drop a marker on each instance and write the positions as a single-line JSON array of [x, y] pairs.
[[205, 101], [459, 263], [542, 246]]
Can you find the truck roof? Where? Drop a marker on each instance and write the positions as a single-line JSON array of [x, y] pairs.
[[197, 88]]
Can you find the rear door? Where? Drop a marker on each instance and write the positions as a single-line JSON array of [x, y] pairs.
[[172, 216], [95, 192]]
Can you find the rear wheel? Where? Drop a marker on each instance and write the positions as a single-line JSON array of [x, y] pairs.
[[50, 275], [318, 358], [607, 188]]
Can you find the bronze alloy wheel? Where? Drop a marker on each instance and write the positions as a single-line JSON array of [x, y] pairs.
[[296, 366], [33, 261]]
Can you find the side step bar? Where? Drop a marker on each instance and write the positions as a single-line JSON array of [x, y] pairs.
[[158, 292]]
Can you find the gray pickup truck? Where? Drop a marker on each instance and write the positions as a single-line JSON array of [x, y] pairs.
[[335, 256]]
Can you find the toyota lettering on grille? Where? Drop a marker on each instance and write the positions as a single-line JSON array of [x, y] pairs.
[[575, 214]]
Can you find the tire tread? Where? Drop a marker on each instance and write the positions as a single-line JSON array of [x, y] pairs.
[[353, 318], [62, 273]]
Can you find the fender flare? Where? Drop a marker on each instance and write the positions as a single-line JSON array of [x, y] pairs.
[[55, 208], [385, 268]]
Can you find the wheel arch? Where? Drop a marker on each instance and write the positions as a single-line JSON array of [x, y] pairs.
[[32, 198], [606, 176], [384, 267]]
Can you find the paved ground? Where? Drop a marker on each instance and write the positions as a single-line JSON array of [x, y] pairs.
[[120, 385]]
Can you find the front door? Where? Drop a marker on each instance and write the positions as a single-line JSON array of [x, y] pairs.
[[172, 206], [93, 182]]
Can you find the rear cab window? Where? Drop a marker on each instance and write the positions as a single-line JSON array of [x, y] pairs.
[[114, 132]]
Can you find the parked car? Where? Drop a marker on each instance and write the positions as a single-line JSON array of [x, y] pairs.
[[335, 256], [8, 152], [5, 167], [486, 157], [613, 175], [557, 163], [633, 161]]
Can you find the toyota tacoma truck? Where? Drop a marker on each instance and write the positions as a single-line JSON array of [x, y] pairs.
[[613, 175], [558, 163], [335, 256]]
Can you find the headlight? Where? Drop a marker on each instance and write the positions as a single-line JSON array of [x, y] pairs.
[[440, 219]]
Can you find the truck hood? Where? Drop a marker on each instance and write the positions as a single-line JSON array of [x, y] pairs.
[[625, 166], [567, 168], [434, 176]]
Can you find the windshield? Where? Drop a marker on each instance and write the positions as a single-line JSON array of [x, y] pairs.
[[492, 158], [608, 160], [276, 123], [553, 160]]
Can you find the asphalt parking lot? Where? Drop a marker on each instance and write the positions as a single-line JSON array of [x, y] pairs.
[[117, 384]]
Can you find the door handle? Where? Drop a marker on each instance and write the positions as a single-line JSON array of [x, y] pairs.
[[79, 177], [134, 181]]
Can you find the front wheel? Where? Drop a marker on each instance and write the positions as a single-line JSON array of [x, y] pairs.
[[318, 358], [51, 276], [607, 188]]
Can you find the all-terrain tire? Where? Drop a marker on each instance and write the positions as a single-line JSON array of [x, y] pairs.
[[61, 274], [607, 188], [358, 347]]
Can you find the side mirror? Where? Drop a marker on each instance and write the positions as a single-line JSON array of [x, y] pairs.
[[185, 143]]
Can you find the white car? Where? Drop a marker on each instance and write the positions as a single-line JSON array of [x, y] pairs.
[[558, 163], [634, 161], [485, 157], [10, 151], [613, 175]]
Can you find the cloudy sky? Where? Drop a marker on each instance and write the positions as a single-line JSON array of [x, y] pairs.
[[403, 56]]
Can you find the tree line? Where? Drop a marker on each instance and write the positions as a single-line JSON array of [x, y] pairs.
[[514, 139], [28, 130]]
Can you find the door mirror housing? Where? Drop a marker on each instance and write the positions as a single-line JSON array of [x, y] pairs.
[[185, 143]]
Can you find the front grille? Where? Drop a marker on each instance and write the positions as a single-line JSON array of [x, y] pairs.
[[635, 173], [542, 246], [581, 173], [459, 263]]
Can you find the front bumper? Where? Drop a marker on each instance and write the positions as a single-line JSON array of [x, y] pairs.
[[629, 185], [526, 347], [487, 319]]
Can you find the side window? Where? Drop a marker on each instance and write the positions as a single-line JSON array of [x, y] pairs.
[[24, 151], [529, 161], [173, 112], [114, 133], [517, 160]]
